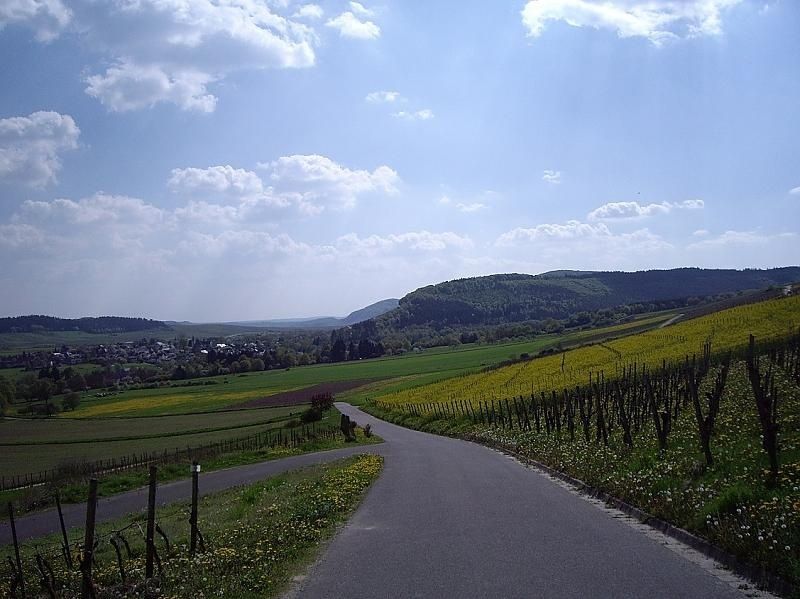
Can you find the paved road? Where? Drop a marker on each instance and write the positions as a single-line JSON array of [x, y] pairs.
[[449, 518], [44, 523]]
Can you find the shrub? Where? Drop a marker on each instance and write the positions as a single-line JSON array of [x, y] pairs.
[[311, 415]]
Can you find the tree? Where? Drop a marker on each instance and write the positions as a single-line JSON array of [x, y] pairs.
[[71, 401], [338, 351], [7, 392], [43, 391]]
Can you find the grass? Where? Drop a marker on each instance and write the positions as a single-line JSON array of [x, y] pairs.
[[729, 504], [28, 458], [42, 497], [258, 537]]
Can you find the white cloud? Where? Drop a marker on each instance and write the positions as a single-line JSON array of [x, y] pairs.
[[656, 20], [99, 209], [553, 177], [127, 87], [309, 11], [384, 97], [361, 10], [741, 238], [46, 17], [320, 181], [349, 25], [416, 240], [700, 233], [570, 230], [216, 180], [171, 51], [419, 115], [795, 191], [634, 210], [31, 146]]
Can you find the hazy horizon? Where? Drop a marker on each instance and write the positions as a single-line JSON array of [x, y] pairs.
[[269, 160]]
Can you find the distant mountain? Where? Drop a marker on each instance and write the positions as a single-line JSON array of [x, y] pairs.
[[101, 324], [560, 295], [325, 322]]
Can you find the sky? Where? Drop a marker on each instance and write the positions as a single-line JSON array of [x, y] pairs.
[[217, 160]]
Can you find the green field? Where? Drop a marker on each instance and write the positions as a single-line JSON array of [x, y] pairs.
[[40, 444]]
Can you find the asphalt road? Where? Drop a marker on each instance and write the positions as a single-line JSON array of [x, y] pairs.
[[449, 518]]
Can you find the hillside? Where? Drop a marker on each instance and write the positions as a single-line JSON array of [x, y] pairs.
[[506, 299]]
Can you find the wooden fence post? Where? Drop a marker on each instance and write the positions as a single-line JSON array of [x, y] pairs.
[[16, 548], [67, 552], [87, 586], [193, 516], [151, 524]]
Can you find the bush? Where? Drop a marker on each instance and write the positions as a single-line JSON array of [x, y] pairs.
[[311, 415], [322, 401]]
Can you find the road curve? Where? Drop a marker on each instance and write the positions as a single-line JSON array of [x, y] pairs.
[[448, 518], [46, 522]]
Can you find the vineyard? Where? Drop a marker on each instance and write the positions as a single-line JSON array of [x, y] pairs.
[[710, 442], [725, 330]]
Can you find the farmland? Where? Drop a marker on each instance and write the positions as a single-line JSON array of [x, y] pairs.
[[727, 329], [406, 371]]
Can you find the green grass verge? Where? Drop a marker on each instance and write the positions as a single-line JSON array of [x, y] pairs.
[[257, 537]]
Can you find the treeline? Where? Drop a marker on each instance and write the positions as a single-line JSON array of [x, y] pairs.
[[101, 324]]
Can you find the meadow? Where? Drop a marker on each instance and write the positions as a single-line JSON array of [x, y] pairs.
[[727, 329]]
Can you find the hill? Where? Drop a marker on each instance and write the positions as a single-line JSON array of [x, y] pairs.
[[102, 324], [568, 297], [325, 322]]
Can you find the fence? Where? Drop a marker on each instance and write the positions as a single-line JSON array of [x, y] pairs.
[[42, 562], [82, 470]]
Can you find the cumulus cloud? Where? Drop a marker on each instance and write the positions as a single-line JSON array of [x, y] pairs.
[[655, 20], [223, 179], [570, 230], [99, 209], [20, 236], [309, 11], [419, 115], [795, 191], [634, 210], [350, 25], [172, 51], [31, 147], [384, 97], [46, 17], [553, 177], [127, 87], [319, 181], [471, 207]]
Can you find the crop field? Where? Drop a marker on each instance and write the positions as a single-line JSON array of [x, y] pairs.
[[40, 444], [727, 329], [402, 372]]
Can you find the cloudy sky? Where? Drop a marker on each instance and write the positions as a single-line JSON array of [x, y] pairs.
[[243, 159]]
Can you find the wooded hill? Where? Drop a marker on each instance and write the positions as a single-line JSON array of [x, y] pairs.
[[565, 296], [101, 324]]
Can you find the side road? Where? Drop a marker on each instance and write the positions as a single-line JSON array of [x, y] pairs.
[[46, 522]]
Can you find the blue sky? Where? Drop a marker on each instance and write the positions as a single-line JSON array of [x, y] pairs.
[[241, 159]]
